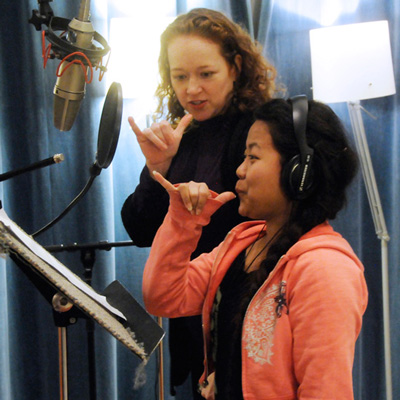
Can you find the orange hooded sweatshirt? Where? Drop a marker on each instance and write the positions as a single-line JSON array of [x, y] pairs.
[[303, 349]]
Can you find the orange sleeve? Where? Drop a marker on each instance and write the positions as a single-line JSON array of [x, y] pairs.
[[328, 297], [173, 285]]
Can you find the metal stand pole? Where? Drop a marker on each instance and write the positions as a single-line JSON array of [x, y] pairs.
[[61, 304], [380, 228], [88, 260], [62, 356], [160, 366]]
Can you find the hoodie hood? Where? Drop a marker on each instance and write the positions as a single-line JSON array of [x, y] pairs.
[[322, 236]]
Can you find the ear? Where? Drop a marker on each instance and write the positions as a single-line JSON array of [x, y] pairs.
[[238, 65]]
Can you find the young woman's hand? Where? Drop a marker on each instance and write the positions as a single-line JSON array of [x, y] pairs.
[[160, 142], [194, 195]]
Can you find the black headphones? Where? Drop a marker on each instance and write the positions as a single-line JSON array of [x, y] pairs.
[[297, 174]]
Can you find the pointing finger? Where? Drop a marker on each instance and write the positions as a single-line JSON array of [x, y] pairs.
[[168, 186], [146, 135]]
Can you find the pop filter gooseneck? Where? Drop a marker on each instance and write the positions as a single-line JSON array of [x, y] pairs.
[[109, 129]]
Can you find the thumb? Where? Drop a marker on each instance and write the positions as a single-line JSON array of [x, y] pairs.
[[225, 197], [183, 124]]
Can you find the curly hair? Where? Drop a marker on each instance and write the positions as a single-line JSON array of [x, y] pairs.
[[256, 82]]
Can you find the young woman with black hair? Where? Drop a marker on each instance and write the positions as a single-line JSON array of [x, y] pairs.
[[282, 297]]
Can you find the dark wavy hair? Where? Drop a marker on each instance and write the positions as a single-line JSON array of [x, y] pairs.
[[335, 164], [256, 82]]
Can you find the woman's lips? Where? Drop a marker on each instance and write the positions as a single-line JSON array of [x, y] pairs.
[[197, 104], [238, 191]]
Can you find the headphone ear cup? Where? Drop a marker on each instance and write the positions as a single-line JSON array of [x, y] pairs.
[[288, 173], [292, 177]]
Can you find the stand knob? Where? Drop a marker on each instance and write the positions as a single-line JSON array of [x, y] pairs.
[[61, 303]]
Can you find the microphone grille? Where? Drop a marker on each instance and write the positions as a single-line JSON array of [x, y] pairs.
[[65, 112]]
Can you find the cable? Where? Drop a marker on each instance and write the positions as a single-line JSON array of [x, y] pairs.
[[69, 207]]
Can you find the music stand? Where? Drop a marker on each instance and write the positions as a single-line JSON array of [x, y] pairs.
[[87, 257], [115, 310]]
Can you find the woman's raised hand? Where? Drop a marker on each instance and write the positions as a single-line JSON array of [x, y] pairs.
[[194, 195], [160, 142]]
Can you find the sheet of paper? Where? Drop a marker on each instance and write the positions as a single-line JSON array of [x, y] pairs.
[[53, 262]]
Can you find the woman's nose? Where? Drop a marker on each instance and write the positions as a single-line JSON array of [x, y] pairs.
[[241, 170], [193, 86]]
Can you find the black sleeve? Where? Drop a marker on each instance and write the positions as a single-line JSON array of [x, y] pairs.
[[144, 210]]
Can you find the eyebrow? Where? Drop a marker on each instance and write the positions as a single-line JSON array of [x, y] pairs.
[[251, 145], [198, 68]]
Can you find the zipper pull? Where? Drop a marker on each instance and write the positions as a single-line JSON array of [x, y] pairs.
[[281, 300]]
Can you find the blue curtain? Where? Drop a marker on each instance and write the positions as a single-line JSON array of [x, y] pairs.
[[28, 335], [29, 342]]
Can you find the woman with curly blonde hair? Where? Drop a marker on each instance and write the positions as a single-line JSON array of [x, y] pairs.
[[256, 80], [213, 75]]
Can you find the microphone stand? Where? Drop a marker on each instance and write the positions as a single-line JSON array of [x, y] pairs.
[[87, 257], [56, 159]]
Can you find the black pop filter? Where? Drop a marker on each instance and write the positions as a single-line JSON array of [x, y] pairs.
[[110, 126]]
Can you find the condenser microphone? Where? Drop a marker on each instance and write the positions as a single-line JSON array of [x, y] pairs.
[[72, 74], [77, 48], [69, 91]]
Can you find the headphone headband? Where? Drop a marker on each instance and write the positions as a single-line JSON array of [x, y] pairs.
[[300, 113], [300, 173]]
